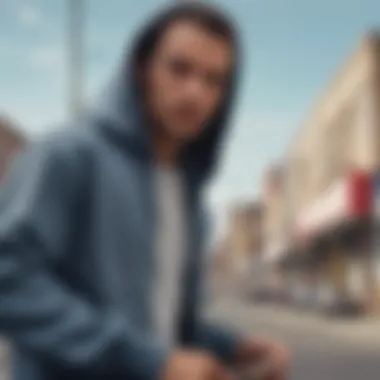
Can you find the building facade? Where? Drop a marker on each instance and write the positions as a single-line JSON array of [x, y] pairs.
[[243, 240], [331, 166], [274, 196], [244, 237]]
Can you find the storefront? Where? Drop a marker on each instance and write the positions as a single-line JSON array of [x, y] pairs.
[[336, 235], [376, 239]]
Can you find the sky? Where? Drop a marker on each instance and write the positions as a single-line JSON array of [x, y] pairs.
[[291, 50]]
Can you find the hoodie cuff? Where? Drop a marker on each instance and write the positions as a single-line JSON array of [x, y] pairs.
[[223, 343], [145, 361]]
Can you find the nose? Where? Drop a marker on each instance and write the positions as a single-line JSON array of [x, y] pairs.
[[195, 87]]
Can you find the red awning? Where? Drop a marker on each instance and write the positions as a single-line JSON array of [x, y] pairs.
[[349, 198]]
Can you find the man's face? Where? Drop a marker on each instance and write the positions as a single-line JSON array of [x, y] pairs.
[[187, 79]]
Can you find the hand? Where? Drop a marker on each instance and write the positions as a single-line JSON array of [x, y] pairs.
[[259, 352], [194, 365]]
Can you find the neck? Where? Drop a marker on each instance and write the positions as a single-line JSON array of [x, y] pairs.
[[167, 150]]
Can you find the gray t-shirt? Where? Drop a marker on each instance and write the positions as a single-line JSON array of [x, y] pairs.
[[170, 252]]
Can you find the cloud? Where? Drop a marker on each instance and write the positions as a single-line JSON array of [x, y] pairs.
[[30, 16]]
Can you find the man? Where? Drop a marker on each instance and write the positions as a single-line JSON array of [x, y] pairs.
[[101, 224]]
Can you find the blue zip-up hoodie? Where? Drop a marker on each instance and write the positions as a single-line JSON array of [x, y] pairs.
[[77, 217]]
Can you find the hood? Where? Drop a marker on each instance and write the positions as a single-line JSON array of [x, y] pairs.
[[120, 109]]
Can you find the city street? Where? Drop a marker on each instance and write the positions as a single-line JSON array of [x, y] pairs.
[[321, 350]]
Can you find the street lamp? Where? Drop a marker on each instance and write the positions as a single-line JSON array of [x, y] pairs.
[[75, 57]]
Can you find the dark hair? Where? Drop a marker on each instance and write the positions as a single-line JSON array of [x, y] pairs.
[[207, 17]]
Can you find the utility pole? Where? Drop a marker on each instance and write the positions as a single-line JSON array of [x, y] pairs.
[[75, 57]]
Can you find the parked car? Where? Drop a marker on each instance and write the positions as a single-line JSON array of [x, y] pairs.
[[268, 294], [303, 297], [345, 307], [262, 294]]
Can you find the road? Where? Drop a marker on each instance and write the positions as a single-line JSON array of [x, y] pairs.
[[321, 350]]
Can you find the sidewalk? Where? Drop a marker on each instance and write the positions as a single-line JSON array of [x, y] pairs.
[[365, 328], [364, 331]]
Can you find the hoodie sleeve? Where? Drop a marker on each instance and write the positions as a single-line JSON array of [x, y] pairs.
[[38, 312]]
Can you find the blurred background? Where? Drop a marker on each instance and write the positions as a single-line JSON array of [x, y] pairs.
[[295, 252]]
